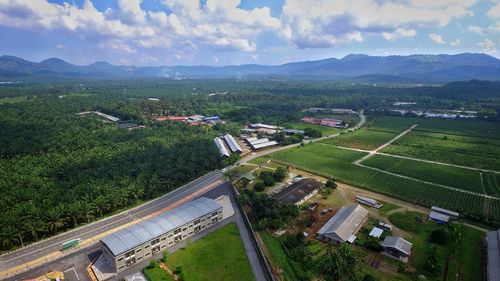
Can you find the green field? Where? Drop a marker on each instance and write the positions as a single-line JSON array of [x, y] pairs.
[[157, 274], [491, 183], [325, 131], [469, 260], [204, 260], [362, 139], [13, 100], [334, 162], [451, 176], [391, 123], [454, 149]]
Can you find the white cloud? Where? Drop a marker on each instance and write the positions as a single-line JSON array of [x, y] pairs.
[[215, 24], [495, 28], [61, 47], [437, 38], [398, 33], [487, 46], [494, 12], [324, 23], [455, 43], [475, 29]]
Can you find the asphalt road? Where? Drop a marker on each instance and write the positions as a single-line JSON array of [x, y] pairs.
[[51, 245]]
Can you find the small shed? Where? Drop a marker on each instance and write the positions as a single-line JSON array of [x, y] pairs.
[[376, 232], [397, 247]]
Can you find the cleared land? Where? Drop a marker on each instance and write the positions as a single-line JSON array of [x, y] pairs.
[[455, 149], [362, 139], [219, 255], [446, 175]]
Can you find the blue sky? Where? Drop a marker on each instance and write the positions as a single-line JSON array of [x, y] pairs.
[[221, 32]]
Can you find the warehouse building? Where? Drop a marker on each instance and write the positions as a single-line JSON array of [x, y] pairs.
[[343, 226], [298, 192], [441, 215], [493, 255], [233, 145], [222, 148], [256, 143], [368, 202], [143, 240]]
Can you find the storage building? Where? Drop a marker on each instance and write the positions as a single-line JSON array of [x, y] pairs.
[[397, 248], [298, 192], [233, 145], [222, 148], [441, 215], [141, 241], [368, 202], [344, 225]]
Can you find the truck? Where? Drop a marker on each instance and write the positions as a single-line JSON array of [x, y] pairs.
[[71, 243]]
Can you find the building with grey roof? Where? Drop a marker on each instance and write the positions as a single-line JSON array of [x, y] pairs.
[[493, 255], [343, 225], [222, 148], [298, 192], [233, 145], [140, 241], [397, 248], [441, 215]]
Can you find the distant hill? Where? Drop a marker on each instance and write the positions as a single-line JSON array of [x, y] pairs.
[[413, 68]]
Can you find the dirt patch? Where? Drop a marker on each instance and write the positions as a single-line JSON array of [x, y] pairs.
[[312, 220]]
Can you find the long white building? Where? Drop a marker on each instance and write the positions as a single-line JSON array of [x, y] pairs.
[[222, 148], [233, 145]]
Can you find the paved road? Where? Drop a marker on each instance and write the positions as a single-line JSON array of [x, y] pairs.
[[41, 249]]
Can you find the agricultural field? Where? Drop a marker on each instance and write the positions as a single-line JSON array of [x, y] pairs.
[[455, 149], [334, 162], [491, 183], [451, 176], [325, 131], [391, 124], [203, 259], [472, 128], [361, 139]]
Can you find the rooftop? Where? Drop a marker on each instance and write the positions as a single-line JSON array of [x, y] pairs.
[[345, 222], [397, 243], [297, 191], [130, 237], [493, 254]]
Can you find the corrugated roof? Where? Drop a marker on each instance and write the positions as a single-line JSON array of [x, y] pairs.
[[264, 144], [231, 142], [344, 222], [297, 191], [144, 231], [438, 216], [493, 255], [222, 149], [444, 211], [397, 243]]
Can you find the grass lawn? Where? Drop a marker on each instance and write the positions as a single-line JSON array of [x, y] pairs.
[[387, 208], [219, 255], [157, 274], [243, 169]]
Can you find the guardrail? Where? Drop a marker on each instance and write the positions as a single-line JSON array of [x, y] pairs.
[[253, 239]]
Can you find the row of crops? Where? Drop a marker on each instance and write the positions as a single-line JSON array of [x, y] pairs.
[[334, 162]]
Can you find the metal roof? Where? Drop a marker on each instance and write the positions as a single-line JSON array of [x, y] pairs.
[[493, 255], [397, 243], [297, 191], [265, 144], [222, 149], [231, 142], [376, 232], [344, 222], [128, 238], [438, 216], [445, 211]]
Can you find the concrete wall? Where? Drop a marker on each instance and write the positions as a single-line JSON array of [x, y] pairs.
[[161, 243]]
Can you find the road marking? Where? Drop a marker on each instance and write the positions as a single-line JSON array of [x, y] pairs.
[[73, 269]]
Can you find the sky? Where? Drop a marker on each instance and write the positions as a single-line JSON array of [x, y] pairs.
[[225, 32]]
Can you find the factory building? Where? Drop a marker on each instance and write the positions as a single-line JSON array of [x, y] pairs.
[[233, 145], [147, 238], [256, 143]]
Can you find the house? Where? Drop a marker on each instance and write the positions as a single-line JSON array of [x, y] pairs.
[[493, 255], [441, 215], [344, 225], [396, 247], [298, 192], [140, 241], [368, 202]]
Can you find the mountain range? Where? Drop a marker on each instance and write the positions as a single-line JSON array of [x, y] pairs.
[[356, 67]]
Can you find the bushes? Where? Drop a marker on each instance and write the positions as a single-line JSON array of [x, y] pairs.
[[438, 236], [259, 186]]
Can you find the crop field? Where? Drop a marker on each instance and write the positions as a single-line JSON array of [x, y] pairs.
[[455, 149], [472, 128], [456, 177], [362, 139], [491, 183], [337, 163], [391, 123]]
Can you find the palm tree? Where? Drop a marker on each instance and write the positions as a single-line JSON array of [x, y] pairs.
[[54, 220], [34, 226], [8, 237], [101, 204]]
